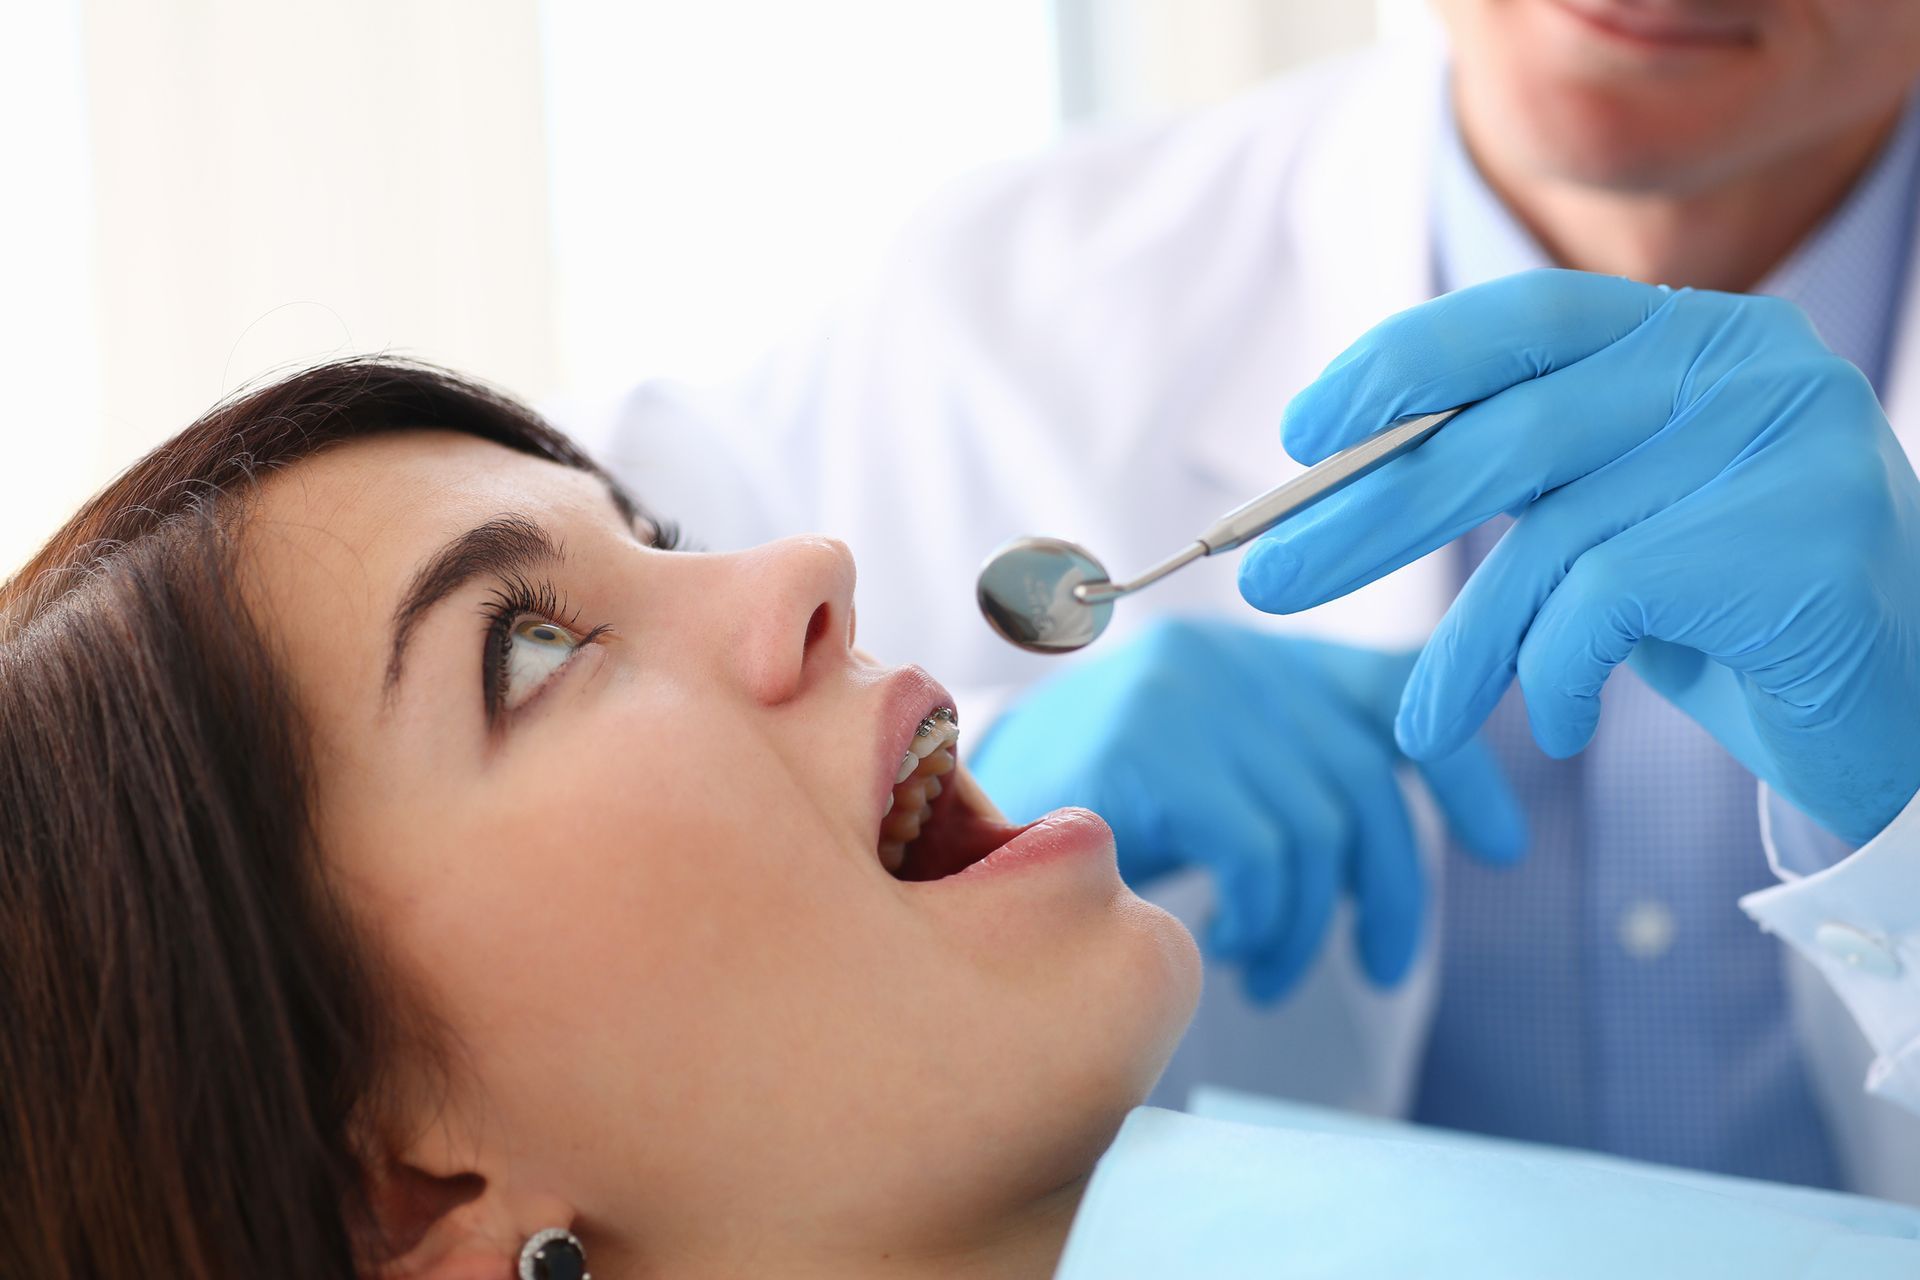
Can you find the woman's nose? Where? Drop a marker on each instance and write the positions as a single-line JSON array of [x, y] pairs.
[[796, 602]]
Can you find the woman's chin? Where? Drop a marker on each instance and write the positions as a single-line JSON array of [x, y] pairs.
[[1170, 968]]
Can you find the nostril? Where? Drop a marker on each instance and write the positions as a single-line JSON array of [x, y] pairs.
[[817, 625]]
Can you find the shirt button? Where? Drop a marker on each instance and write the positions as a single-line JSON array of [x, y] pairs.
[[1646, 929], [1857, 949]]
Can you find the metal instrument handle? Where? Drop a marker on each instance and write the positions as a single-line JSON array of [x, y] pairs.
[[1251, 519], [1095, 592]]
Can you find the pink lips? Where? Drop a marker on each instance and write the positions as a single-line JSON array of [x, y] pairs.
[[911, 695], [1662, 26], [1062, 834]]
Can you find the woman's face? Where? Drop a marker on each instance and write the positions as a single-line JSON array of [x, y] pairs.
[[636, 873]]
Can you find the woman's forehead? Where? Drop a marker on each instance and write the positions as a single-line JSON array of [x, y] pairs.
[[368, 485], [331, 541], [382, 505]]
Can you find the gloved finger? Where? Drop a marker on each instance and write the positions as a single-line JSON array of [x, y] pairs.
[[1467, 783], [1300, 797], [1695, 353], [1384, 875], [1283, 779], [1388, 884], [1587, 627], [1217, 824], [1460, 348], [1470, 658], [1508, 449], [1726, 568], [1477, 801], [1274, 971]]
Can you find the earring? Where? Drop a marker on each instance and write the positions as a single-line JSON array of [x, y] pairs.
[[553, 1254]]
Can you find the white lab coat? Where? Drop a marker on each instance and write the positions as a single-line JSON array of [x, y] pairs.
[[1097, 343]]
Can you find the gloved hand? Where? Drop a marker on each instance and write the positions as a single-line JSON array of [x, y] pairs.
[[1700, 486], [1268, 760]]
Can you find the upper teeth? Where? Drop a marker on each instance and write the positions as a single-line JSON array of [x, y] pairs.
[[936, 731], [916, 785]]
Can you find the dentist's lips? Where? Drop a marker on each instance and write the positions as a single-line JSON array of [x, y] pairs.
[[1664, 28]]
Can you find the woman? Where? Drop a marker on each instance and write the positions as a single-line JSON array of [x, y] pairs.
[[410, 865], [405, 850]]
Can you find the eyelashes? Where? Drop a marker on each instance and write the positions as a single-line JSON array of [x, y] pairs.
[[516, 595], [669, 535], [516, 598]]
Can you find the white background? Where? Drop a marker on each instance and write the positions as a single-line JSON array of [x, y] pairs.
[[561, 196]]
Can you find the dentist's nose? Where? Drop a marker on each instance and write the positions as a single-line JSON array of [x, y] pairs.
[[796, 597]]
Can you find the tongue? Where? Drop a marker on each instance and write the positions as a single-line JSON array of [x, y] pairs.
[[965, 827], [954, 840]]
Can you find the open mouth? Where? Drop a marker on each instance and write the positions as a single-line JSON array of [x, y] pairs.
[[938, 822]]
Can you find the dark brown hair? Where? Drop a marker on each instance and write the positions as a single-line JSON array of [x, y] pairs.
[[191, 1037]]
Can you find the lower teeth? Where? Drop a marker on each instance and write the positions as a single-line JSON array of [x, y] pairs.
[[910, 807]]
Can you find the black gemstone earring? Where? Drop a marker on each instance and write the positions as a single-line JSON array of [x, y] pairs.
[[553, 1254]]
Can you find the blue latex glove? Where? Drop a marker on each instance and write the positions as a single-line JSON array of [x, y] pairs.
[[1700, 486], [1268, 760]]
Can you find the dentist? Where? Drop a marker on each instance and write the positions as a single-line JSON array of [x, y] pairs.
[[1097, 343]]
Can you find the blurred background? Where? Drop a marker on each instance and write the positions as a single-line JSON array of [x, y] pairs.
[[562, 196]]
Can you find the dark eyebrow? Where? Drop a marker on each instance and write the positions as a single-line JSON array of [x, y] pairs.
[[504, 546]]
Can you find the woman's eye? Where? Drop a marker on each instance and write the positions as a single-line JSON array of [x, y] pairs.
[[536, 648]]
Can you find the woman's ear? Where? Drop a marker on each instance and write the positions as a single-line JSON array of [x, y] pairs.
[[440, 1218]]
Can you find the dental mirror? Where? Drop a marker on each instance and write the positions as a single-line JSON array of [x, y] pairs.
[[1048, 595], [1026, 593]]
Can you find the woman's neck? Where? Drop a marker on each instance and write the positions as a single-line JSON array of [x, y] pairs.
[[1024, 1245], [1023, 1242]]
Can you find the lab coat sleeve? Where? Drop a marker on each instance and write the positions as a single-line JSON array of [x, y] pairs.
[[1856, 917]]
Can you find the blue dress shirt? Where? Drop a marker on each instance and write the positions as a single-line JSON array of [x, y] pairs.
[[1608, 993]]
